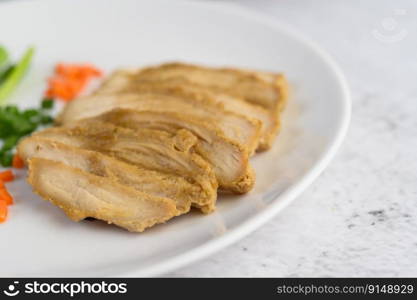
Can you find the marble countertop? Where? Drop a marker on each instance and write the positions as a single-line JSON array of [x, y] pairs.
[[360, 217]]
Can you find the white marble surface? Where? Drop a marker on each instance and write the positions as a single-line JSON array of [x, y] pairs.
[[360, 217]]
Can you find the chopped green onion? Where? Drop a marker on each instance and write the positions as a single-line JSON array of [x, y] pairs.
[[47, 103], [11, 109], [4, 57], [13, 79], [46, 120], [9, 143], [15, 124], [6, 158], [6, 73], [5, 129], [4, 64]]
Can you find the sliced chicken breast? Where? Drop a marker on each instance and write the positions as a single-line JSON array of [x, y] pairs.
[[183, 88], [151, 182], [228, 158], [80, 195], [266, 89], [146, 148], [236, 127]]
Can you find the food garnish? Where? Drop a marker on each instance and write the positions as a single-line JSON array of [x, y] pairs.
[[5, 195], [14, 74], [6, 176], [4, 59], [69, 80], [5, 198], [3, 211], [15, 124], [17, 162]]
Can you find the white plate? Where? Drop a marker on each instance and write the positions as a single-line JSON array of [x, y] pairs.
[[38, 240]]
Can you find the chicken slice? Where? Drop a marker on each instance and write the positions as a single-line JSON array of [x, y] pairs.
[[269, 90], [229, 159], [151, 182], [146, 148], [121, 82], [236, 127], [80, 195]]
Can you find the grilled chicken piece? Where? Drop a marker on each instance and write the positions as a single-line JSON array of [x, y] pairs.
[[236, 127], [80, 195], [150, 182], [150, 149], [122, 82], [229, 159], [266, 89]]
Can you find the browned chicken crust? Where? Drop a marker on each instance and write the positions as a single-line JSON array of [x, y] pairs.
[[146, 148], [124, 82], [80, 195], [262, 88], [236, 127], [151, 182], [230, 161]]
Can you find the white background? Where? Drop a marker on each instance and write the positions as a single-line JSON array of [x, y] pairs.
[[360, 217]]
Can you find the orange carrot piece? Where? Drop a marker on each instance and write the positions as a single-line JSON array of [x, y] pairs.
[[77, 71], [3, 211], [66, 70], [69, 80], [59, 88], [17, 162], [5, 196], [6, 176], [92, 71]]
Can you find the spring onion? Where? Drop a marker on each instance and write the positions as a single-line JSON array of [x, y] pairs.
[[4, 57], [15, 75], [4, 63], [15, 124]]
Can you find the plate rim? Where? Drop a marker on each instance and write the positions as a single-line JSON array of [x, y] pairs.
[[231, 236]]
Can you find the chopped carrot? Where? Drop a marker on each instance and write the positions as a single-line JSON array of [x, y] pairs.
[[3, 211], [69, 80], [5, 196], [17, 162], [6, 176], [69, 70], [59, 88]]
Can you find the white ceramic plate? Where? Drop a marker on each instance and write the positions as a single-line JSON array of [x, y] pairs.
[[38, 240]]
